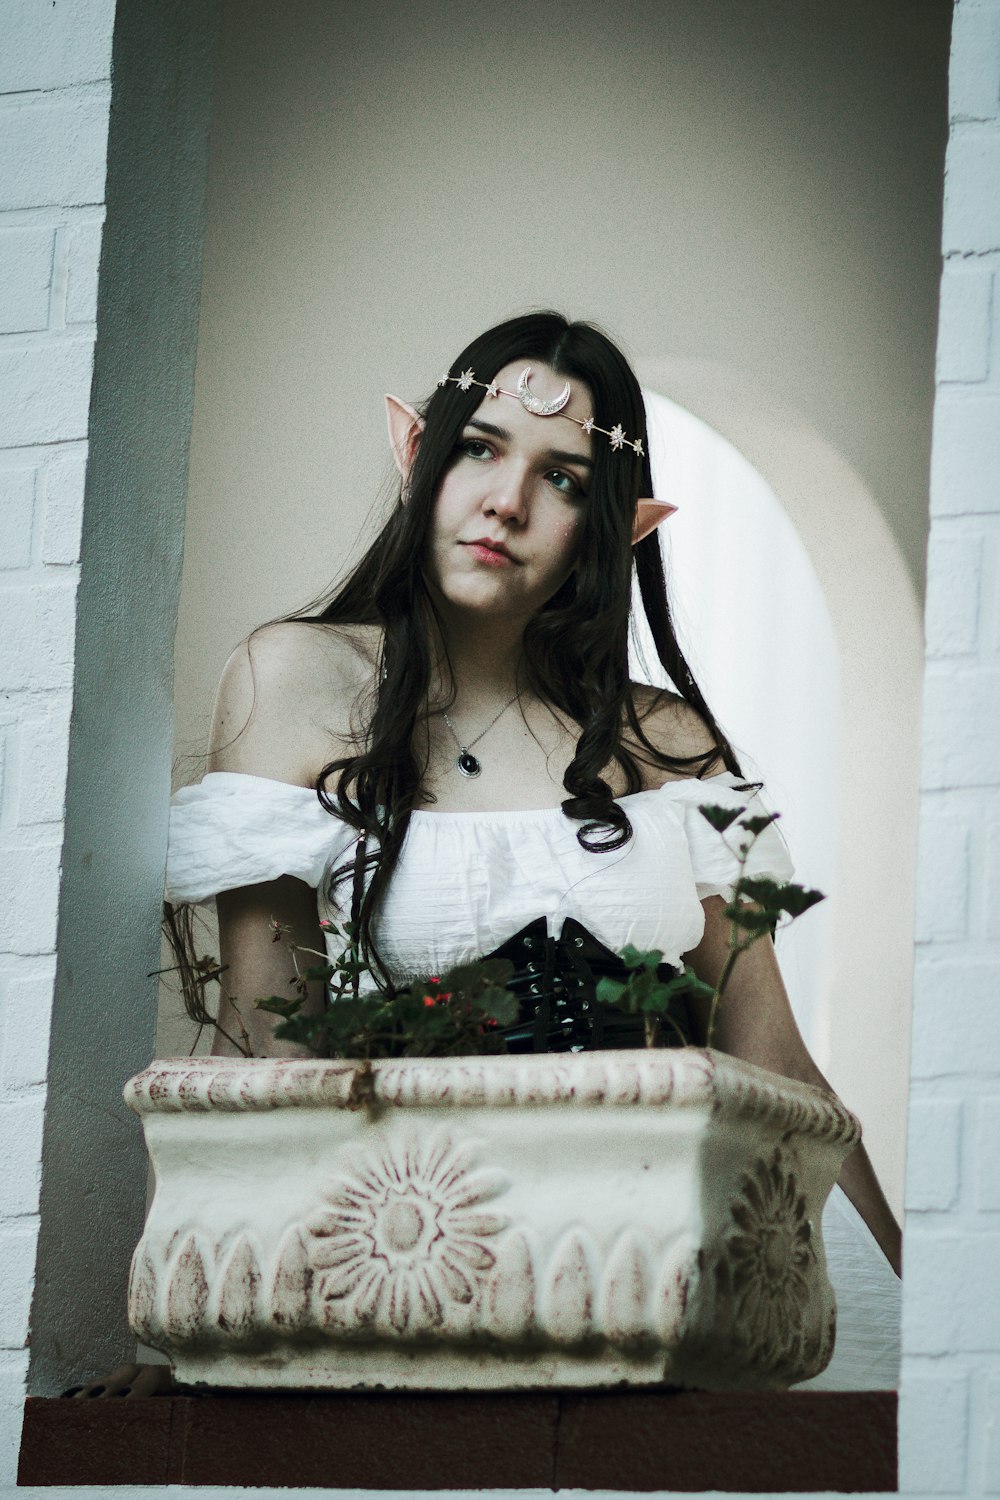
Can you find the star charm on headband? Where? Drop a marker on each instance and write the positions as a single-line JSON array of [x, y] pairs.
[[637, 445], [465, 380], [617, 436], [492, 389]]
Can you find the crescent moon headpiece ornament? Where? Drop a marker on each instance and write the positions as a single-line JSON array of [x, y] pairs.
[[539, 408], [535, 404]]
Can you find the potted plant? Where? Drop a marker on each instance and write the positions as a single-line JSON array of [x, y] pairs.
[[381, 1217]]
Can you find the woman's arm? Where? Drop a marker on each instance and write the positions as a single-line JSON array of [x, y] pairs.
[[276, 714], [255, 966], [755, 1022]]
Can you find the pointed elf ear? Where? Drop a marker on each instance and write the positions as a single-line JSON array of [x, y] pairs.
[[648, 515], [405, 427]]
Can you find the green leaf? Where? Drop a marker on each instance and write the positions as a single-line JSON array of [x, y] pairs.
[[640, 958], [749, 918], [642, 983], [279, 1006], [504, 1008], [758, 824], [795, 899], [609, 991], [697, 988], [719, 817], [319, 971], [759, 888], [473, 976], [498, 971]]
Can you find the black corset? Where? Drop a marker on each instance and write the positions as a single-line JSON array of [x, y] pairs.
[[555, 979]]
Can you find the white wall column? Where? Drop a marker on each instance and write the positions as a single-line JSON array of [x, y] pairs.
[[950, 1412], [96, 382], [55, 93]]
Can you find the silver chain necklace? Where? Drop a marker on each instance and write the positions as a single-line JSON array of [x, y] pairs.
[[467, 763]]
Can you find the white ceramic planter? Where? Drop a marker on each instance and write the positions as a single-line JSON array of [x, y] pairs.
[[585, 1220]]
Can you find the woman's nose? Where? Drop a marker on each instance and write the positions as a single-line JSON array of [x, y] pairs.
[[508, 496]]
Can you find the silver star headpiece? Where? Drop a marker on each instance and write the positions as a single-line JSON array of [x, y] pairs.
[[539, 408]]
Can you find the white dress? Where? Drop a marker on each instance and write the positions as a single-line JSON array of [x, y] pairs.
[[468, 881]]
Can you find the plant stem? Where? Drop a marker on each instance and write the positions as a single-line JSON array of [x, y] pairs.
[[727, 968], [735, 949], [247, 1048]]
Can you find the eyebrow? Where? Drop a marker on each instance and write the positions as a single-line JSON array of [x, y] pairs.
[[561, 455]]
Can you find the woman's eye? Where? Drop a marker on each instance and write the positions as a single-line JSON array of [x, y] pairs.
[[565, 483], [476, 448]]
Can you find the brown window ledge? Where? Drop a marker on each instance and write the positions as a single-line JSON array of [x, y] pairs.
[[623, 1440]]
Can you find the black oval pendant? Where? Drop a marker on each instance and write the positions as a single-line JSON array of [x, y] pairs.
[[468, 764]]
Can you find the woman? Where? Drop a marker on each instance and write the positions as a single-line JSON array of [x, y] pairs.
[[484, 765]]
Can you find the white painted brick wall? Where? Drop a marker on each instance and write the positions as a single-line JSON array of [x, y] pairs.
[[53, 145], [964, 342], [953, 593], [934, 1144], [986, 1158], [965, 470], [17, 510], [950, 1397], [25, 1003], [991, 1425], [26, 273], [63, 507], [975, 64], [54, 99], [44, 388]]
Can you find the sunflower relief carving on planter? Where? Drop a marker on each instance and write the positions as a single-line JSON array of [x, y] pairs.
[[770, 1256], [760, 1280], [404, 1240], [765, 1277]]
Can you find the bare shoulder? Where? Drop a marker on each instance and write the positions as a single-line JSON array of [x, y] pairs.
[[675, 728], [286, 699]]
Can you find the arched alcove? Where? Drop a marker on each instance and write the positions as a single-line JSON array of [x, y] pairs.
[[876, 620], [756, 630]]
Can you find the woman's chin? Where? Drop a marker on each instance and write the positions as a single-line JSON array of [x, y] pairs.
[[485, 597]]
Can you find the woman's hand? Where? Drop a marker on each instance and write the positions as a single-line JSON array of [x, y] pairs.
[[755, 1022]]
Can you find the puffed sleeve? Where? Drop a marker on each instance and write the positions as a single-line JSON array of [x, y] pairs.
[[233, 830], [713, 855]]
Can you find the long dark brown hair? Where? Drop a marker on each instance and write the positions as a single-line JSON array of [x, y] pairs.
[[575, 648], [575, 653]]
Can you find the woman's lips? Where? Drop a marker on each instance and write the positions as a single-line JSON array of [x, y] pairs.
[[489, 555]]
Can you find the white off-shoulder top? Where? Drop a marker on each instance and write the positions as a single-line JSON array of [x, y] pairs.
[[467, 881]]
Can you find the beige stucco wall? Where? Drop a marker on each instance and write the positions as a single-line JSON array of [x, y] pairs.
[[750, 186]]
